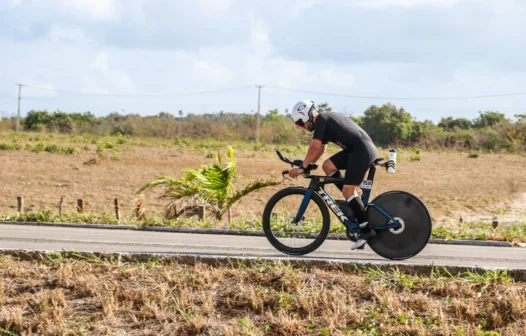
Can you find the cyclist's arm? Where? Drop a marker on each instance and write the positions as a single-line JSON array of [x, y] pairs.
[[316, 150]]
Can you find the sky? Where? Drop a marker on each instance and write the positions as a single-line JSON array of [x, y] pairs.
[[148, 56]]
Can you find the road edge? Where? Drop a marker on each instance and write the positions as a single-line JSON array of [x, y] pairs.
[[518, 275], [331, 236]]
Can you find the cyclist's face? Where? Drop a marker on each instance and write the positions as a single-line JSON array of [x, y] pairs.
[[309, 126]]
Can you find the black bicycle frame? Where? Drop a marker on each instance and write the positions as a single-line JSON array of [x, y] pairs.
[[317, 185]]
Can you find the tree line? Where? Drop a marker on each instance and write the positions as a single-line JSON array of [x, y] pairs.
[[388, 125]]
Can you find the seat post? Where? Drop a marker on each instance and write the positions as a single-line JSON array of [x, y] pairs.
[[372, 171]]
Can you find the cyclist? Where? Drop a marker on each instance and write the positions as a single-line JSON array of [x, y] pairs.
[[358, 153]]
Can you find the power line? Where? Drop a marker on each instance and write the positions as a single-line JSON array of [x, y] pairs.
[[399, 98], [140, 94]]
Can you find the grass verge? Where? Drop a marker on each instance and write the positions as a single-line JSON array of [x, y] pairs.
[[86, 295]]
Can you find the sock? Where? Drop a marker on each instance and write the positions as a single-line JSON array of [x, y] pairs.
[[337, 174], [356, 204]]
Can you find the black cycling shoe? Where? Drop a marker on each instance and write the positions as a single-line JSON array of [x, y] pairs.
[[360, 244]]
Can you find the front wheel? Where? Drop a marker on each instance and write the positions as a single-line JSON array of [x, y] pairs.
[[415, 232], [288, 236]]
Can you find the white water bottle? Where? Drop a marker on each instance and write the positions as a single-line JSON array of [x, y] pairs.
[[391, 164]]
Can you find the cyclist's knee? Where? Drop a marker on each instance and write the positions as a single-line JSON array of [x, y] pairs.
[[328, 167]]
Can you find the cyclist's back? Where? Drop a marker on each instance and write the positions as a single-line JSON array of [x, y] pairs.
[[343, 131]]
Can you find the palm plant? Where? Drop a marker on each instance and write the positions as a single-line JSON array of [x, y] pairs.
[[211, 186]]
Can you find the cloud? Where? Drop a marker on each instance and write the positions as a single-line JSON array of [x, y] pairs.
[[408, 3], [408, 49], [93, 9]]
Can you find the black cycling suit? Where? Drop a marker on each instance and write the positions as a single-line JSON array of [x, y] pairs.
[[359, 151]]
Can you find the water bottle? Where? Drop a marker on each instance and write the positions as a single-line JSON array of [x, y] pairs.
[[391, 164]]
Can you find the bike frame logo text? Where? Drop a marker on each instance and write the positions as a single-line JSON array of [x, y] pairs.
[[334, 207]]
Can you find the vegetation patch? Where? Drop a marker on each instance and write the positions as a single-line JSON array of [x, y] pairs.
[[87, 295]]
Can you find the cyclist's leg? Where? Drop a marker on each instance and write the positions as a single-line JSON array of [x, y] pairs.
[[332, 166], [359, 162]]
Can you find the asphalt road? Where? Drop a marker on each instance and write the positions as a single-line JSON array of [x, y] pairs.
[[101, 240]]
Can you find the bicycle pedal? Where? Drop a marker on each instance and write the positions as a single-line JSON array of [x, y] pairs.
[[364, 224]]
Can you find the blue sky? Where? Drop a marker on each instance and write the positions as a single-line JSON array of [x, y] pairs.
[[380, 48]]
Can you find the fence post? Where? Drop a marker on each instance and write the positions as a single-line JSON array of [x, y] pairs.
[[60, 206], [201, 212], [117, 213], [495, 223], [80, 205], [20, 201]]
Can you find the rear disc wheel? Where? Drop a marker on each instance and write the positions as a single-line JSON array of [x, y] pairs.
[[414, 233]]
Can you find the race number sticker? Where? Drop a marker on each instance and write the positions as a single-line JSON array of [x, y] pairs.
[[366, 184]]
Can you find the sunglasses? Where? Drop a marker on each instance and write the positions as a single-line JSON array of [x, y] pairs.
[[300, 123]]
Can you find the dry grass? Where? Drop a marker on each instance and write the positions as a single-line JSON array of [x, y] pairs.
[[447, 182], [77, 297]]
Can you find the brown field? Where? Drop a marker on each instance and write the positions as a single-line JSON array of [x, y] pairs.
[[450, 184], [77, 297]]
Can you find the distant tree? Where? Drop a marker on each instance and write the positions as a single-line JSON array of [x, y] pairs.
[[358, 120], [323, 107], [489, 119], [165, 116], [180, 113], [521, 118], [450, 123], [387, 124], [272, 115]]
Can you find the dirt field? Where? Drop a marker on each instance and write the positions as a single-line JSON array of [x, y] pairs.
[[450, 184]]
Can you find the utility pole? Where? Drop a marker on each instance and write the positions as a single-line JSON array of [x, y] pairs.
[[19, 98], [257, 115]]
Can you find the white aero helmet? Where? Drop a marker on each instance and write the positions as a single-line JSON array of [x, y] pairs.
[[302, 112]]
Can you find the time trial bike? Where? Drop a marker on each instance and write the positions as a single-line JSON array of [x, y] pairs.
[[296, 220]]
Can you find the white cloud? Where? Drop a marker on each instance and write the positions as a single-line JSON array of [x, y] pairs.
[[212, 72], [94, 9], [337, 78], [59, 34], [73, 56], [215, 7], [408, 3], [14, 3]]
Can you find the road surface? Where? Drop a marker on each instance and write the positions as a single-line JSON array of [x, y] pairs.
[[101, 240]]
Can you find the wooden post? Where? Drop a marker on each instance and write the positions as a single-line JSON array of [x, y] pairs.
[[20, 201], [201, 212], [229, 216], [117, 213], [495, 223], [80, 205], [60, 206]]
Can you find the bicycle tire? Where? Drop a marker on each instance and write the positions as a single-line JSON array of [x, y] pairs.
[[293, 250], [417, 220]]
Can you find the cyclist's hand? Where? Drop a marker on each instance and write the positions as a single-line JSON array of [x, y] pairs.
[[295, 172]]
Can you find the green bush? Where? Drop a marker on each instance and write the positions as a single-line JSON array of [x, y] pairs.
[[5, 146], [120, 139]]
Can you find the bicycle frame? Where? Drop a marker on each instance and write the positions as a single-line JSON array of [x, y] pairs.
[[317, 185]]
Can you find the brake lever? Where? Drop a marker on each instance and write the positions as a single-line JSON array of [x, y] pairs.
[[285, 172]]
